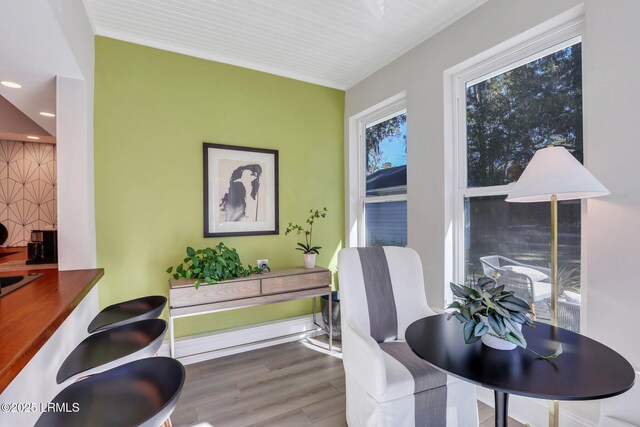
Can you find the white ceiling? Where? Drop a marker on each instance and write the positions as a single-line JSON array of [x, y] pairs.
[[335, 43], [33, 51]]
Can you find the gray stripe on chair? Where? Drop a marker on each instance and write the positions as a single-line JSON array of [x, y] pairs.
[[383, 319], [431, 407], [429, 385]]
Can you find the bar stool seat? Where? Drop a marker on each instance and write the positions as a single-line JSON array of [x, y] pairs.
[[140, 393], [128, 311], [113, 347]]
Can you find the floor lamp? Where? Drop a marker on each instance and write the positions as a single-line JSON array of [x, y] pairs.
[[554, 174]]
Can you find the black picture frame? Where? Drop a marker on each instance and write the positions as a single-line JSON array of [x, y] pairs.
[[240, 190]]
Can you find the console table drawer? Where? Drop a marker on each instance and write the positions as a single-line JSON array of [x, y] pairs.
[[274, 285], [225, 291]]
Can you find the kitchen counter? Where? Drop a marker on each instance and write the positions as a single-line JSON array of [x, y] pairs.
[[29, 316], [12, 259]]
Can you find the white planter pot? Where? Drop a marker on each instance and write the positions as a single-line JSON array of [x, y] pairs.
[[495, 342], [309, 260]]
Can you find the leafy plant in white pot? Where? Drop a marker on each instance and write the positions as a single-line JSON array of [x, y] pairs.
[[493, 315], [307, 247]]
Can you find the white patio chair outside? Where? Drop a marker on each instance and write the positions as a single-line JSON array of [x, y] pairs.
[[529, 282], [569, 311]]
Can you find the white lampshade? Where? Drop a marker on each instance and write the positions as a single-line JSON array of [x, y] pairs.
[[554, 171]]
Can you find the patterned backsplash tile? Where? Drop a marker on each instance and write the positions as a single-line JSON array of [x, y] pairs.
[[27, 189]]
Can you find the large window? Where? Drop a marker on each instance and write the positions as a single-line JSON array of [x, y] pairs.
[[377, 174], [505, 114], [384, 201]]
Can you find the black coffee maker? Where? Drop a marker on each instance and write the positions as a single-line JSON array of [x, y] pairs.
[[43, 247]]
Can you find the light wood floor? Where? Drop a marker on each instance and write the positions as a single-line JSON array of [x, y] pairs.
[[284, 385], [487, 419]]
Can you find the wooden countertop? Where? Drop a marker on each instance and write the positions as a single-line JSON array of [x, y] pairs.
[[31, 314]]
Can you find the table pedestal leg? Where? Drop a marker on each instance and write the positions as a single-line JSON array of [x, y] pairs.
[[502, 408]]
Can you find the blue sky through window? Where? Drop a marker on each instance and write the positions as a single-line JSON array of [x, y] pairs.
[[391, 149], [394, 149]]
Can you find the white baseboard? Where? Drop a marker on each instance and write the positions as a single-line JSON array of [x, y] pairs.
[[197, 348], [534, 412]]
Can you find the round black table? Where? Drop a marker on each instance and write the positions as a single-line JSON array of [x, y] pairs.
[[586, 370]]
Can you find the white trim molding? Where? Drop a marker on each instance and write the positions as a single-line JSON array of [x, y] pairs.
[[198, 348]]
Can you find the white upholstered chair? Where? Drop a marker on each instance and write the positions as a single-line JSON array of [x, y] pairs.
[[381, 293], [622, 411]]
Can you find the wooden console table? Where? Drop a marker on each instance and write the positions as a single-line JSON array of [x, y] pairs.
[[278, 285]]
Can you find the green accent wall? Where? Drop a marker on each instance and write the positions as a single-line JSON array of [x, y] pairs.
[[153, 111]]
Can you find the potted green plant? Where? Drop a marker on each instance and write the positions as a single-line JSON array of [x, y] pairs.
[[212, 265], [493, 315], [307, 247]]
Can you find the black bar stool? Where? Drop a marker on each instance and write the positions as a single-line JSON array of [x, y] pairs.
[[113, 347], [140, 393], [128, 311]]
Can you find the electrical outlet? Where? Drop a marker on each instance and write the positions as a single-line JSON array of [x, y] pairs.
[[263, 264]]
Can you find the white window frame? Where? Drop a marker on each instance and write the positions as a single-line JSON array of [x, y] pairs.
[[356, 166], [533, 48]]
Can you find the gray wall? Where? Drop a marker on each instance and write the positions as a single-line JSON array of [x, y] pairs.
[[612, 153], [420, 73], [611, 92]]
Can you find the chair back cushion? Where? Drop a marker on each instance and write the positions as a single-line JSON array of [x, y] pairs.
[[381, 305], [381, 290]]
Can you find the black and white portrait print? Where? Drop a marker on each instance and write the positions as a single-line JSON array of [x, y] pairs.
[[241, 202], [240, 191]]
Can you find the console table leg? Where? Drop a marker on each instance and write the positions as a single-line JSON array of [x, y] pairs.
[[330, 303], [314, 311], [172, 340], [502, 408]]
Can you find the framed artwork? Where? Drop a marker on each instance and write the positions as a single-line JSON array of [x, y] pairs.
[[240, 190]]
